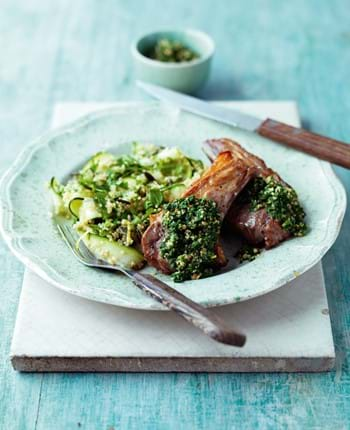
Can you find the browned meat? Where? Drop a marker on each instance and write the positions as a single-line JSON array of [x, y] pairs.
[[151, 241], [222, 182], [214, 147], [258, 227]]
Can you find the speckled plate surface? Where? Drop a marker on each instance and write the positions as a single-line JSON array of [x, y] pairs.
[[29, 231]]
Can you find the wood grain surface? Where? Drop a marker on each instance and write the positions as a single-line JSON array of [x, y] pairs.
[[266, 49], [312, 143]]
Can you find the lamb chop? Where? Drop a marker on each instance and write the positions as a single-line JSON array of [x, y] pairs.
[[213, 147], [258, 227], [222, 182]]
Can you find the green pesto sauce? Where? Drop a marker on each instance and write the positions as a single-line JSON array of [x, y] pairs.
[[280, 202], [192, 226], [172, 52]]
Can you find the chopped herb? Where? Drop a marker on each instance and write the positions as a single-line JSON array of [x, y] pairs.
[[192, 226], [247, 253], [280, 202], [154, 198], [172, 52]]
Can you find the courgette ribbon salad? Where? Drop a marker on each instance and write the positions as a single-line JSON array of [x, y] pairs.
[[111, 198]]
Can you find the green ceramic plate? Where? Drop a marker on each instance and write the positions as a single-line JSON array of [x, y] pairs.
[[29, 231]]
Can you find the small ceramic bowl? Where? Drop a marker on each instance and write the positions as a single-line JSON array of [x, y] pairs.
[[188, 76]]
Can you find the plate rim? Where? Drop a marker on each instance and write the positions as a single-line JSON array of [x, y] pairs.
[[41, 268]]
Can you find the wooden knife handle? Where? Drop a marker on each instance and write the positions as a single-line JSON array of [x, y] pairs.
[[322, 147]]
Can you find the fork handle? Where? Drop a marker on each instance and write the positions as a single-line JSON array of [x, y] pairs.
[[200, 317]]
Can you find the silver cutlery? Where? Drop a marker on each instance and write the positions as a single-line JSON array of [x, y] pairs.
[[202, 318], [319, 146]]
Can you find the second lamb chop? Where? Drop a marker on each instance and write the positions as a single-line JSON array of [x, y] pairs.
[[267, 212]]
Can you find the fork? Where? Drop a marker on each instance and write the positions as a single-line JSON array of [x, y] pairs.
[[200, 317]]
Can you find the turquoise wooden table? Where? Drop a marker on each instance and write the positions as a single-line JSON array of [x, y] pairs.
[[266, 49]]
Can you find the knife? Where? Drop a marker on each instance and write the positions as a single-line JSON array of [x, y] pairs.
[[319, 146]]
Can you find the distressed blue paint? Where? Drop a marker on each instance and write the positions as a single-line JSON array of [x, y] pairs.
[[266, 49]]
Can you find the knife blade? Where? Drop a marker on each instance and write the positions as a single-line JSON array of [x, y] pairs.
[[202, 108], [314, 144]]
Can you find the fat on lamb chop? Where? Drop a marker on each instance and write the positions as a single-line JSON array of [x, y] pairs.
[[257, 227], [221, 182]]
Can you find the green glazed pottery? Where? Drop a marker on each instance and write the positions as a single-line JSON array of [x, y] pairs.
[[187, 76]]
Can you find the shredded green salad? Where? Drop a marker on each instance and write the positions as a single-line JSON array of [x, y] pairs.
[[111, 198]]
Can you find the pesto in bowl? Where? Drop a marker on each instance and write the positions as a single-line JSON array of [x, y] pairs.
[[176, 59], [172, 51]]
